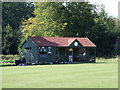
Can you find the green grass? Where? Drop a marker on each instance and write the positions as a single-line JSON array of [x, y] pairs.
[[91, 75]]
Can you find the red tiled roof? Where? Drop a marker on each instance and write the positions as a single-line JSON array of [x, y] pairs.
[[60, 41]]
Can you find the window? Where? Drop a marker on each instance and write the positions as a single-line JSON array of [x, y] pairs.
[[49, 51], [69, 51], [43, 52], [82, 51], [62, 51]]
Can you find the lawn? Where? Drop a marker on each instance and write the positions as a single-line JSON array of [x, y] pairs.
[[87, 75]]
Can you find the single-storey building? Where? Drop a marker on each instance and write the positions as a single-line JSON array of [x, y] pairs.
[[49, 49]]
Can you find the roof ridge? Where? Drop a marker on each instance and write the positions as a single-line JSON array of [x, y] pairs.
[[60, 37]]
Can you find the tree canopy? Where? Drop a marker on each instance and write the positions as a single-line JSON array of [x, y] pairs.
[[13, 13], [56, 19]]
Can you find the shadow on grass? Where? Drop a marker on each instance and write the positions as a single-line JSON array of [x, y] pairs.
[[5, 65], [64, 64], [91, 63], [102, 62]]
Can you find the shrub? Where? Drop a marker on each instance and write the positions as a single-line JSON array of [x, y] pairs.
[[9, 57]]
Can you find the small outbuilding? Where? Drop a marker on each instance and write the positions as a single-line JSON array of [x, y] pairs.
[[49, 49]]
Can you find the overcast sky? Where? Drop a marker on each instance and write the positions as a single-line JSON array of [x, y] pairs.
[[111, 6]]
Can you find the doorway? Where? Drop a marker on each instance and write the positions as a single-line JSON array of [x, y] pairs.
[[75, 53], [70, 54], [28, 55]]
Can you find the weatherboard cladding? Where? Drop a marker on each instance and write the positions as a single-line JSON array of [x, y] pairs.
[[60, 41]]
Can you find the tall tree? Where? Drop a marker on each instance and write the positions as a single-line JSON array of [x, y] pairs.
[[9, 36], [13, 13], [57, 19], [47, 20], [104, 33], [80, 18]]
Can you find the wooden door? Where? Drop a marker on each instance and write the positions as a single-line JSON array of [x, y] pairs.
[[28, 55]]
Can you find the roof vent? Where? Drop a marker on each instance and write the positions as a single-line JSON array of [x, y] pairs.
[[77, 35]]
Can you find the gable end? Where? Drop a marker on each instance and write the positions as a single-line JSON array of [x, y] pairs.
[[75, 43]]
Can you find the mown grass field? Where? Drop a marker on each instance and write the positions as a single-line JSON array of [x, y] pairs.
[[87, 75]]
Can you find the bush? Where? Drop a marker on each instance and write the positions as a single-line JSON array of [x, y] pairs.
[[9, 57], [107, 60], [6, 61]]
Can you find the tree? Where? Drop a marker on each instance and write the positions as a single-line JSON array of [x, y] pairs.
[[56, 19], [12, 15], [104, 33], [47, 20], [8, 36], [14, 12], [80, 18]]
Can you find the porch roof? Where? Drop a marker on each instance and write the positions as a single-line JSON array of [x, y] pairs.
[[61, 41]]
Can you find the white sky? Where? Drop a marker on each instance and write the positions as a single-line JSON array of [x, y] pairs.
[[111, 6]]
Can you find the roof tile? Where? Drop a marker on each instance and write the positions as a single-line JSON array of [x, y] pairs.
[[60, 41]]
